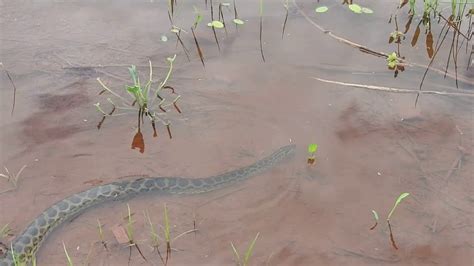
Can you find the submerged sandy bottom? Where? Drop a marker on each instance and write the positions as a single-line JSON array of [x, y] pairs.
[[372, 145]]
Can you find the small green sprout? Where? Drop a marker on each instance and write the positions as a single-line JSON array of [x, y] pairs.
[[101, 234], [400, 198], [69, 260], [396, 36], [248, 253], [376, 216], [312, 148], [167, 234], [392, 60]]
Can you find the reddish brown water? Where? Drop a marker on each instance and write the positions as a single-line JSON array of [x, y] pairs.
[[372, 145]]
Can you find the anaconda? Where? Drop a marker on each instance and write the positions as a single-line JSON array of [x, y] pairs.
[[26, 244]]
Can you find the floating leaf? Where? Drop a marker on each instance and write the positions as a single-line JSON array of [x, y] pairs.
[[164, 38], [225, 4], [367, 10], [355, 8], [174, 30], [429, 44], [238, 21], [321, 9], [415, 36], [216, 24], [312, 148]]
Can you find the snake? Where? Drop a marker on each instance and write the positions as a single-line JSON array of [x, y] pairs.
[[24, 247]]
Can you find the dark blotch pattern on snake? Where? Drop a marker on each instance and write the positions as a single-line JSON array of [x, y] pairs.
[[28, 242]]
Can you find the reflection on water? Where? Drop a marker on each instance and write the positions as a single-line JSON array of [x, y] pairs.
[[373, 144]]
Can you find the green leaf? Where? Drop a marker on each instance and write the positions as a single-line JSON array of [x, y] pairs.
[[376, 216], [133, 89], [400, 198], [321, 9], [248, 254], [312, 148], [367, 10], [217, 24], [355, 8], [238, 21]]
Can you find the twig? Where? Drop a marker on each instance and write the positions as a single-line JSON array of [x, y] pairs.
[[364, 256], [395, 90], [373, 52], [13, 85]]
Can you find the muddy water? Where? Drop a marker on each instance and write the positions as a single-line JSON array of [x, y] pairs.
[[372, 145]]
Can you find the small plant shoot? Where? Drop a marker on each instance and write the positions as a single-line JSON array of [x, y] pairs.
[[399, 199], [376, 217], [248, 253], [312, 148]]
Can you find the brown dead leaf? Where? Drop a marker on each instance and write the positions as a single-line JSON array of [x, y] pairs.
[[120, 234], [429, 44], [138, 142], [415, 36]]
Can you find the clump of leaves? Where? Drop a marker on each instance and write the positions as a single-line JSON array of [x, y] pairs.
[[396, 37], [143, 99], [394, 63], [376, 216], [312, 148], [248, 253]]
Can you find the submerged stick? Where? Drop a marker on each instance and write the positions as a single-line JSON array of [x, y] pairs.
[[376, 53], [198, 48], [394, 90], [13, 85]]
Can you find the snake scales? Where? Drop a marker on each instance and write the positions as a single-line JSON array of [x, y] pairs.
[[28, 242]]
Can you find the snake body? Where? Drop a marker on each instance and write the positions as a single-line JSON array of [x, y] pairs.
[[26, 244]]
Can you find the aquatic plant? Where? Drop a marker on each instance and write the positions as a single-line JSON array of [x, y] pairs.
[[69, 260], [248, 253], [376, 217], [12, 178], [237, 21], [145, 100], [312, 148], [101, 235], [130, 235]]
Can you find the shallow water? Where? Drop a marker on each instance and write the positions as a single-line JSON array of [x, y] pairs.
[[372, 145]]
